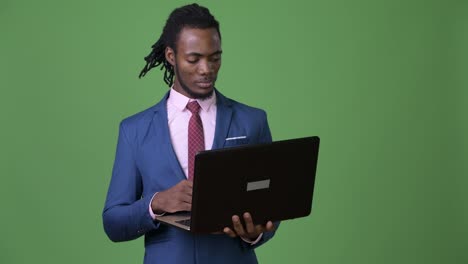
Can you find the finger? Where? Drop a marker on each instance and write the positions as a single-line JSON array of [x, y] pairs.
[[188, 184], [238, 228], [179, 200], [270, 226], [189, 192], [184, 186], [229, 232], [181, 203], [186, 198], [187, 188], [249, 223], [187, 207]]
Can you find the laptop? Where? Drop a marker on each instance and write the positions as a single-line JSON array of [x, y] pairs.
[[272, 181]]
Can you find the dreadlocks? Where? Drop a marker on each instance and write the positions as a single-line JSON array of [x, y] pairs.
[[192, 16]]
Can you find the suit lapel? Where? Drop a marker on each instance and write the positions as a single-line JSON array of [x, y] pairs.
[[223, 120], [162, 128]]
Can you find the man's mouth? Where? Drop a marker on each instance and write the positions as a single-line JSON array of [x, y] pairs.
[[204, 84]]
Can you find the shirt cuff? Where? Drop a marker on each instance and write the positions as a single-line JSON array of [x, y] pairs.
[[246, 240], [152, 214]]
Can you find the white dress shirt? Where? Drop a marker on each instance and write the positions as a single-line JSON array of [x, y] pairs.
[[178, 117]]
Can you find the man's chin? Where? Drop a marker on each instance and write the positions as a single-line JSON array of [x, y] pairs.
[[200, 93]]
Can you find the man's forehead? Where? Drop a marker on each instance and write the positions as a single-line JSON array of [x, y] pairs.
[[203, 41]]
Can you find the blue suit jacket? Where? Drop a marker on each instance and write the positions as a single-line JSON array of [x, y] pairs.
[[146, 163]]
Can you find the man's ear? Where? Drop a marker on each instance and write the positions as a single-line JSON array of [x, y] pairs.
[[170, 55]]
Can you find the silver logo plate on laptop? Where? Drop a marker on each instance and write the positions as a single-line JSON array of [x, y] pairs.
[[257, 185]]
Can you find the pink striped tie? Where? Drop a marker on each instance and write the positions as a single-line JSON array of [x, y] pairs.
[[196, 139]]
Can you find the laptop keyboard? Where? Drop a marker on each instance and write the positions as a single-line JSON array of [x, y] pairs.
[[185, 222]]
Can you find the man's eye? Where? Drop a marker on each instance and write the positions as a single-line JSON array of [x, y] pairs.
[[192, 61]]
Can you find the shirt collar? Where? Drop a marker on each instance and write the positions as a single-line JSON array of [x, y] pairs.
[[180, 101]]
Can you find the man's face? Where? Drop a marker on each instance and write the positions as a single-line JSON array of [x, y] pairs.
[[196, 62]]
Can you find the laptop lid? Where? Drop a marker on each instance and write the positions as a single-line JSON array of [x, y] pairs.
[[273, 181]]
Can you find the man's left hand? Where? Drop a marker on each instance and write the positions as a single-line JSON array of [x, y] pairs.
[[250, 231]]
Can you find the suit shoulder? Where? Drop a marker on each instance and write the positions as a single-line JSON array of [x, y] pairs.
[[138, 119], [135, 127]]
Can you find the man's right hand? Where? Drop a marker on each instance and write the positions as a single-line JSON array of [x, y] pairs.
[[174, 199]]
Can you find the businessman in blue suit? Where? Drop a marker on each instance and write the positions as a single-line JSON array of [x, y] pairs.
[[154, 161]]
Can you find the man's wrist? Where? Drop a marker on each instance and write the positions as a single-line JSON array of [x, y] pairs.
[[152, 212], [251, 241]]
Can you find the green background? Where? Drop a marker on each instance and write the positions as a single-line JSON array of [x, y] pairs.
[[383, 83]]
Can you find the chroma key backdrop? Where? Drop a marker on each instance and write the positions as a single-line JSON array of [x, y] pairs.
[[383, 83]]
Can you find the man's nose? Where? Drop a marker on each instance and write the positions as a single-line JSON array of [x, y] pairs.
[[205, 67]]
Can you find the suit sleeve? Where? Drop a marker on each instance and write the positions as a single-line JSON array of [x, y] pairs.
[[264, 137], [126, 216]]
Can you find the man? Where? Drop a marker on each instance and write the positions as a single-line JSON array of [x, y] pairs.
[[153, 167]]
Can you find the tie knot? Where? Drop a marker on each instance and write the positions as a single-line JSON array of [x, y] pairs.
[[193, 107]]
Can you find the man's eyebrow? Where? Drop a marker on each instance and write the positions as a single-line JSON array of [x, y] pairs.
[[218, 52]]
